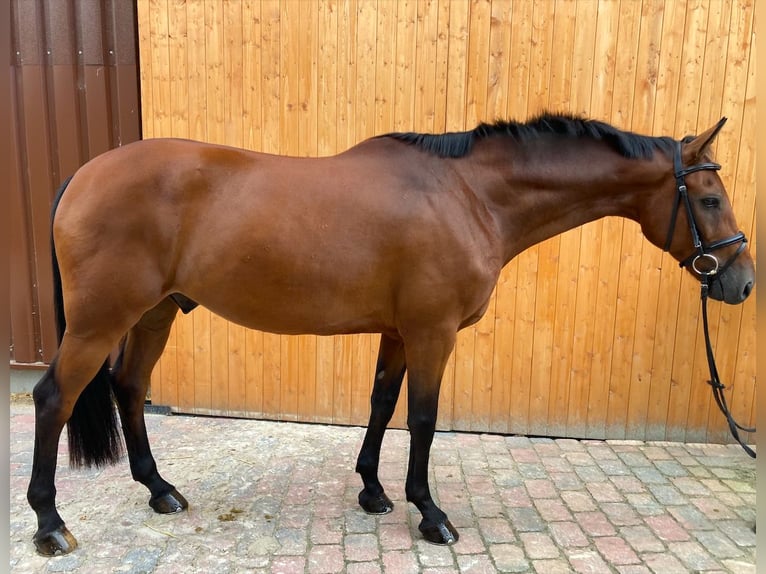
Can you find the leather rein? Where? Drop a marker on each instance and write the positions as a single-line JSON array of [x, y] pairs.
[[708, 268]]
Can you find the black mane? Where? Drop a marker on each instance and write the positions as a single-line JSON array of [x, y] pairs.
[[459, 144]]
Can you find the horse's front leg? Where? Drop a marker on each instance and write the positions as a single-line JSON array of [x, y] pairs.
[[388, 382], [426, 359]]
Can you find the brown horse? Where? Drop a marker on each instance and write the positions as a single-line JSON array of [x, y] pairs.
[[403, 235]]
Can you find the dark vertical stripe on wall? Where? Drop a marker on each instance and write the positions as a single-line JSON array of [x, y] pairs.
[[74, 81]]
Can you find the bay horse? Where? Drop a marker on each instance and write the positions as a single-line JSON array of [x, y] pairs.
[[404, 234]]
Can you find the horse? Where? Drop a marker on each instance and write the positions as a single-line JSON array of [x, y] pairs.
[[403, 234]]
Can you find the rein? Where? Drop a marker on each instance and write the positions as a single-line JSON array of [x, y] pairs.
[[709, 272]]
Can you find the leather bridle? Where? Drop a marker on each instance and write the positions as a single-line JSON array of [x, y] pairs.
[[708, 268], [702, 251]]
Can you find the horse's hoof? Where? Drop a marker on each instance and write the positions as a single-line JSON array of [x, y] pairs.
[[378, 504], [442, 534], [169, 503], [55, 543]]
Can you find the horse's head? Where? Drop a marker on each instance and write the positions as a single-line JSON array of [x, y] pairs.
[[700, 229]]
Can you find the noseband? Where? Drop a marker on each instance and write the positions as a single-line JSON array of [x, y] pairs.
[[704, 253]]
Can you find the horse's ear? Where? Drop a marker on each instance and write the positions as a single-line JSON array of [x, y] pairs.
[[695, 149]]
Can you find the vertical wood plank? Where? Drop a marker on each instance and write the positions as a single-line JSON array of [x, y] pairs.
[[541, 85]]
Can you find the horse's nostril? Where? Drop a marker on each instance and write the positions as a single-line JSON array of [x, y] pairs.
[[746, 291]]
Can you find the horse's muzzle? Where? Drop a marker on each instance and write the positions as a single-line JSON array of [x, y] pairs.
[[733, 286]]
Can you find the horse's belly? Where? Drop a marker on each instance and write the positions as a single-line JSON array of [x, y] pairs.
[[298, 310]]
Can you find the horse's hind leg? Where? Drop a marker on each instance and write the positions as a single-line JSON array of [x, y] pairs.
[[388, 382], [79, 361], [141, 350]]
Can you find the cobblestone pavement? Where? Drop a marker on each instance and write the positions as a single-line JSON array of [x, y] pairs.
[[281, 497]]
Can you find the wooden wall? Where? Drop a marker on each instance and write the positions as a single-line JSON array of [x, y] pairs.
[[594, 333]]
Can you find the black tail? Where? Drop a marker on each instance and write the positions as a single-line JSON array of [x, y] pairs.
[[94, 438]]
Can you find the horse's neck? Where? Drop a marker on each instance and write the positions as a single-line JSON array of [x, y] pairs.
[[533, 198]]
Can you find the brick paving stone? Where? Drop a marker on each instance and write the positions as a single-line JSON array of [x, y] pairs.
[[361, 547], [714, 485], [395, 536], [568, 534], [538, 545], [566, 481], [579, 458], [496, 530], [526, 519], [713, 508], [605, 492], [739, 566], [601, 452], [693, 555], [667, 529], [635, 459], [325, 559], [616, 551], [671, 468], [430, 555], [552, 509], [551, 566], [363, 568], [666, 494], [642, 539], [522, 455], [739, 485], [588, 562], [530, 470], [400, 562], [690, 518], [509, 558], [614, 467], [570, 445], [579, 501], [292, 565], [620, 513], [739, 532], [326, 531], [541, 488], [718, 544], [628, 484], [595, 523], [475, 564], [590, 475], [690, 486], [649, 475], [291, 541], [656, 452], [520, 504], [665, 563], [516, 496], [645, 504], [470, 542]]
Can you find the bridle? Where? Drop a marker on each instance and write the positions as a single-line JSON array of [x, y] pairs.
[[704, 253]]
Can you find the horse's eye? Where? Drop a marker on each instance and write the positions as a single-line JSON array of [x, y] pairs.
[[711, 202]]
